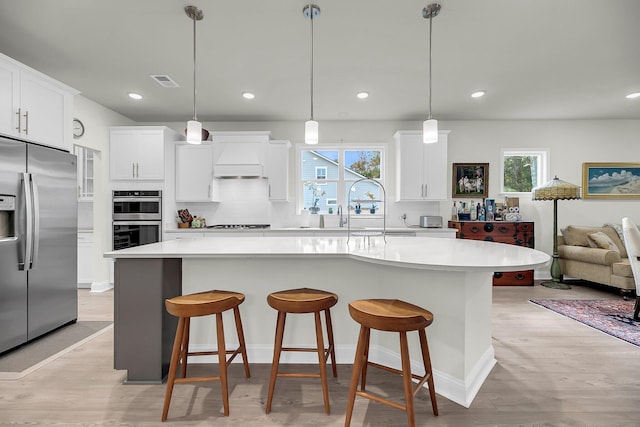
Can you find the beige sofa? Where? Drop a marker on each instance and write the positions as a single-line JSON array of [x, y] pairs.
[[596, 254]]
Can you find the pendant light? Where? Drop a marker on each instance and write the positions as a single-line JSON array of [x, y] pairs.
[[194, 127], [430, 126], [312, 12]]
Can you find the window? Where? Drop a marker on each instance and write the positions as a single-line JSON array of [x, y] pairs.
[[523, 169], [321, 172], [327, 175]]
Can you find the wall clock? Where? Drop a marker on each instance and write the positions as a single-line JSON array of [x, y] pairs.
[[78, 128]]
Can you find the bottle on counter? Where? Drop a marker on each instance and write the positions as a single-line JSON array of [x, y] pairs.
[[473, 212], [490, 213], [454, 212], [479, 212]]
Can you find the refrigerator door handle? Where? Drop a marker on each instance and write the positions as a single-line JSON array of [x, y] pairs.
[[25, 263], [36, 220]]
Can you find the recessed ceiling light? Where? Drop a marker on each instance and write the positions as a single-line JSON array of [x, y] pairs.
[[633, 95], [248, 95], [478, 94], [362, 95], [134, 95]]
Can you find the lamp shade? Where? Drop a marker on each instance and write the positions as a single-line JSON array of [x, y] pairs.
[[556, 189], [194, 132], [311, 132], [430, 131]]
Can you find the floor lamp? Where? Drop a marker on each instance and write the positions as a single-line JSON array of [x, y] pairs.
[[555, 190]]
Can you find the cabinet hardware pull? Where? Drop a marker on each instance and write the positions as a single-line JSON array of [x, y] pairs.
[[26, 123], [19, 113], [137, 170], [426, 190], [133, 170]]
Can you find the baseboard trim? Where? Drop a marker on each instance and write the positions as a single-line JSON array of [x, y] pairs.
[[101, 286]]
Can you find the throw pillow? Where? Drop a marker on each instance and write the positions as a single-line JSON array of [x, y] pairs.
[[601, 240]]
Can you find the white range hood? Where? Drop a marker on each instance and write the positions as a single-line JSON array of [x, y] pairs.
[[239, 161]]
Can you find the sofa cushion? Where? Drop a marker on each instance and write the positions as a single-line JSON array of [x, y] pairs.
[[613, 234], [602, 241], [577, 235], [622, 268], [588, 255]]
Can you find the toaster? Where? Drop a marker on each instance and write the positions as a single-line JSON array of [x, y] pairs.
[[430, 221]]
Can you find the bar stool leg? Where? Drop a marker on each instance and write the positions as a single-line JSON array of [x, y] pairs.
[[322, 362], [222, 361], [428, 370], [332, 347], [406, 377], [365, 365], [355, 374], [243, 346], [173, 367], [184, 349], [276, 358]]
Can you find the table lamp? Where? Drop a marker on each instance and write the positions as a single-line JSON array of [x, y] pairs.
[[555, 190]]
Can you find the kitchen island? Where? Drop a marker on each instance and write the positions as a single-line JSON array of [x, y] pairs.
[[449, 277]]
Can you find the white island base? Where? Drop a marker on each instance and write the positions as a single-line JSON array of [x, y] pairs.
[[451, 278]]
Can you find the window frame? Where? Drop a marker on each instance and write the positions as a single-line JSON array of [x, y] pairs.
[[326, 172], [543, 155], [341, 196]]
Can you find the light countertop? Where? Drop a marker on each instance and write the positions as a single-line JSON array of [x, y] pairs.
[[414, 252]]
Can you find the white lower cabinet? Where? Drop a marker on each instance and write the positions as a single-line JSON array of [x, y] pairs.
[[85, 259], [422, 169], [194, 174]]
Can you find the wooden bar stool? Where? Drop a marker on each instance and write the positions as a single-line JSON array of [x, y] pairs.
[[203, 304], [391, 316], [303, 301]]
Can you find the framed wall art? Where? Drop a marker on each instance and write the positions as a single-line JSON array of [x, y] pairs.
[[611, 180], [470, 180]]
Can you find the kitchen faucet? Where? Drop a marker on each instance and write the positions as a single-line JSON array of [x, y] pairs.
[[342, 220]]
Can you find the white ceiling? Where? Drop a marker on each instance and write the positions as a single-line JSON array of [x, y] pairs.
[[544, 59]]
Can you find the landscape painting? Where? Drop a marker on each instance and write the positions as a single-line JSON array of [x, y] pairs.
[[611, 180]]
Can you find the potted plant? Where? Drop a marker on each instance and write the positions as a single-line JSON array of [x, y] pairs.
[[372, 197], [315, 198], [372, 209], [358, 208]]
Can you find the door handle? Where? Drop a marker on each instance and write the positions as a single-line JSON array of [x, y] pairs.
[[26, 123], [36, 220], [26, 260], [19, 113]]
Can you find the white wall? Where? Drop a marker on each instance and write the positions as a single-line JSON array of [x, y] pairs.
[[96, 120]]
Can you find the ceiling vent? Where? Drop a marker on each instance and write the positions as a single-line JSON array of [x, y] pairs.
[[164, 80]]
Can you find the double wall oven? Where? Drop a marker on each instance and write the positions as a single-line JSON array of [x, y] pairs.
[[137, 218]]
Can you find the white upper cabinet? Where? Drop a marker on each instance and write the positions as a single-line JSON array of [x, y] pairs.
[[422, 169], [194, 174], [35, 107], [278, 170], [137, 152]]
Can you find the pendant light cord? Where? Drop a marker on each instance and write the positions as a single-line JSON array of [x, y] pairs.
[[430, 39], [195, 116], [311, 62]]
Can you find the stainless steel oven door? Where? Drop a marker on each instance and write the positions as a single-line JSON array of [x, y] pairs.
[[127, 234], [137, 208]]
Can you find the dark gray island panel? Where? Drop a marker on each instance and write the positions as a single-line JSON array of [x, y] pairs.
[[143, 330]]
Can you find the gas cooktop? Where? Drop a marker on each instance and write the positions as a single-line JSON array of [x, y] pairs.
[[239, 226]]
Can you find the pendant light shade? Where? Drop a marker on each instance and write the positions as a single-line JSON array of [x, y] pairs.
[[312, 12], [430, 126], [311, 132], [430, 131], [194, 132], [195, 135]]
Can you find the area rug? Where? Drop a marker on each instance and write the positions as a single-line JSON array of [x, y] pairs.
[[27, 358], [613, 317]]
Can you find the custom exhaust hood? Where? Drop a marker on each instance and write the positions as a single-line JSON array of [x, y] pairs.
[[238, 161]]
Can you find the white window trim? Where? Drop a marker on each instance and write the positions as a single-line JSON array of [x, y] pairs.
[[383, 148], [543, 171]]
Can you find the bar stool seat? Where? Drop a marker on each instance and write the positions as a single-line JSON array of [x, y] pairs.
[[203, 304], [303, 300], [390, 315]]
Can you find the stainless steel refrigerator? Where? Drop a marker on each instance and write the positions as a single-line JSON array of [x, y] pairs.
[[38, 241]]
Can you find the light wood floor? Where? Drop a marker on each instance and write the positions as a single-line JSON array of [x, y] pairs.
[[551, 371]]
